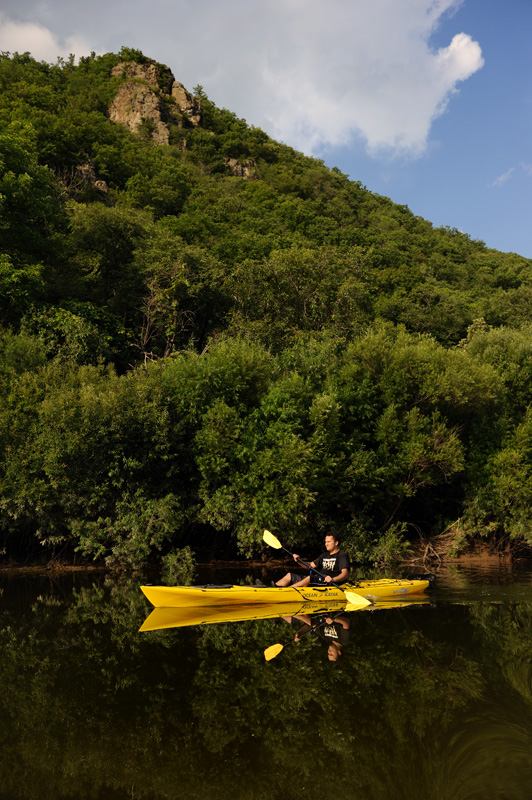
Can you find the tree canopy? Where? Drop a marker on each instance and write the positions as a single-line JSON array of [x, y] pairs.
[[220, 334]]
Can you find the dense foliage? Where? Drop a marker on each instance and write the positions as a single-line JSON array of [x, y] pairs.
[[220, 335]]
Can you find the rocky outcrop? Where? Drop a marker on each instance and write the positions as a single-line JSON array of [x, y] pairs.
[[140, 100], [152, 74], [81, 183], [188, 104], [245, 169], [135, 103], [86, 175]]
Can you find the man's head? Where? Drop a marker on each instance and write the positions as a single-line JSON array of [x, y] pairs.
[[334, 652], [332, 543]]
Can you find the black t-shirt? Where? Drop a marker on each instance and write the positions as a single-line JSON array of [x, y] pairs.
[[334, 632], [329, 632], [332, 565]]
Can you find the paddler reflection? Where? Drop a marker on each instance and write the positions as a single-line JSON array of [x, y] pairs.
[[333, 630]]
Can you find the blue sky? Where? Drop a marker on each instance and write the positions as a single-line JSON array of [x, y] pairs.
[[476, 172], [428, 102]]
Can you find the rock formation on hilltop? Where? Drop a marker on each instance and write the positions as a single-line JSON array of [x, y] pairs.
[[188, 104], [153, 74], [149, 95], [136, 102]]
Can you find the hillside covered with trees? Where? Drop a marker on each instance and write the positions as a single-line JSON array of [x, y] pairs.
[[205, 333]]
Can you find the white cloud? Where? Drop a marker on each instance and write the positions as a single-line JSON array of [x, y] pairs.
[[316, 74], [36, 39], [311, 73], [504, 177]]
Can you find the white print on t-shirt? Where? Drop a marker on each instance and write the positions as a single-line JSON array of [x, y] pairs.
[[329, 563], [330, 631]]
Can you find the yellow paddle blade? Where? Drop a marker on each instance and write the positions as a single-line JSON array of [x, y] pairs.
[[357, 600], [350, 607], [272, 651], [272, 540]]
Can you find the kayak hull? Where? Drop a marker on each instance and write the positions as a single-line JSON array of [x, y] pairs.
[[200, 596]]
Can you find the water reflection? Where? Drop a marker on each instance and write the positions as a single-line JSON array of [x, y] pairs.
[[333, 630], [429, 699], [213, 615], [330, 621]]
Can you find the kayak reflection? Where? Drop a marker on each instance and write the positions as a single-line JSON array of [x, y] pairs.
[[212, 615], [161, 618]]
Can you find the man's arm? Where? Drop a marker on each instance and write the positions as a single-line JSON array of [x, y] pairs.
[[298, 558], [345, 622], [301, 632], [337, 578]]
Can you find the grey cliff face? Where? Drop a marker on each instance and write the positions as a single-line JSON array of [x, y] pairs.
[[141, 98]]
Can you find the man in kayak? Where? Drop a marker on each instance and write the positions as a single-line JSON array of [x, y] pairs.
[[333, 564]]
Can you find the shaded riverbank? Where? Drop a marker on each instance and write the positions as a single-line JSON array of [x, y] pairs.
[[429, 554]]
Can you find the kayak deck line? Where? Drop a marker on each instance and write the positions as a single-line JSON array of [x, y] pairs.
[[233, 595]]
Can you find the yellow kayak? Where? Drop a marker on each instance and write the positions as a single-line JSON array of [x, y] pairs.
[[229, 595]]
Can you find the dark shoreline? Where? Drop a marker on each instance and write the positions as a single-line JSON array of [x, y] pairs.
[[419, 559]]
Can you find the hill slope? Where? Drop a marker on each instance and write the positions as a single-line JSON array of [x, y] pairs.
[[205, 330]]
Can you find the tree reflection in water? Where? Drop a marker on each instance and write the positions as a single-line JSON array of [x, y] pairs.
[[434, 700]]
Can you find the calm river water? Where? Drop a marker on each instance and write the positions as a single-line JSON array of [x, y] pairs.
[[431, 700]]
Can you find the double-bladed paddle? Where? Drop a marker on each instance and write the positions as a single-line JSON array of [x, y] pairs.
[[351, 597]]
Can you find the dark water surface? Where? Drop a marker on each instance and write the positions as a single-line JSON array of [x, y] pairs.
[[432, 700]]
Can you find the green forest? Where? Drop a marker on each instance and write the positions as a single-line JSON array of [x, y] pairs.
[[205, 333]]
